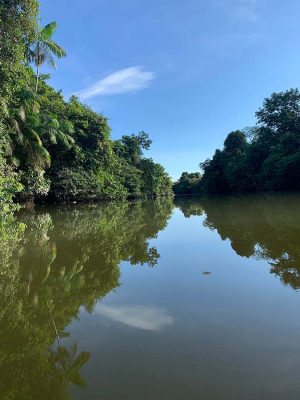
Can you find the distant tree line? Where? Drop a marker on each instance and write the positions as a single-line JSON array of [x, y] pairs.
[[51, 149], [261, 158], [188, 183]]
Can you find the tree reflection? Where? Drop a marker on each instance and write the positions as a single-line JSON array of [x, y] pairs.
[[65, 365], [189, 205], [262, 226], [53, 261]]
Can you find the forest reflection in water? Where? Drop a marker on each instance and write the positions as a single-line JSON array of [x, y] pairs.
[[264, 226], [55, 260]]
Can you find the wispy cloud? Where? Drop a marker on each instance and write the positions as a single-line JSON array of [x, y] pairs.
[[141, 317], [128, 80], [241, 9]]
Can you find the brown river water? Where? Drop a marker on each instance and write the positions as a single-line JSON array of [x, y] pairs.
[[188, 298]]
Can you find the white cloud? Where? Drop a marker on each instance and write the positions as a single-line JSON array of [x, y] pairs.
[[128, 80], [141, 317], [241, 9]]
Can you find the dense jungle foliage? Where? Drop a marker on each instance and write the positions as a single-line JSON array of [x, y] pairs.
[[51, 149], [52, 264], [265, 157]]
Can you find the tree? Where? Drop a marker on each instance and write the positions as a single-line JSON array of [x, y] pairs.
[[188, 183], [17, 29], [281, 112], [44, 48], [271, 159], [235, 141], [214, 178], [50, 147], [65, 365]]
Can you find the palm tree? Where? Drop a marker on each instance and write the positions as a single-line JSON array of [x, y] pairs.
[[32, 129], [44, 48], [65, 365], [23, 122], [55, 131]]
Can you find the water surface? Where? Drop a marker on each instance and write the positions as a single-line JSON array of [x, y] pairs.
[[195, 298]]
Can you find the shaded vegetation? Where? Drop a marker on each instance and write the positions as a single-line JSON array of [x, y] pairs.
[[189, 205]]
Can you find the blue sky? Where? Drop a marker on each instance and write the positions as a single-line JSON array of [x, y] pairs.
[[186, 72]]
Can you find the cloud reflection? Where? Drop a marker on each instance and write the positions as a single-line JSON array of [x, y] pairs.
[[141, 317]]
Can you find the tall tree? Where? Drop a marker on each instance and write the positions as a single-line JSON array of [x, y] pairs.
[[44, 48], [17, 28]]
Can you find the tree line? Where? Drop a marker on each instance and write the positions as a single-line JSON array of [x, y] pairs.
[[52, 149], [265, 157]]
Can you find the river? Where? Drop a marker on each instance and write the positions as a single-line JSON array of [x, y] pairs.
[[185, 298]]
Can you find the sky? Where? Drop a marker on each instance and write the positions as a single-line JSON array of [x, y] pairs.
[[186, 72]]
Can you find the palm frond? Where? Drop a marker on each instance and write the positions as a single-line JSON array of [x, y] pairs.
[[82, 359], [52, 135], [73, 352], [40, 155], [77, 379], [15, 125], [67, 126], [49, 58], [54, 123], [43, 55], [55, 48], [29, 55], [19, 138], [63, 353], [63, 139], [20, 113], [33, 135], [48, 30], [32, 120], [70, 139]]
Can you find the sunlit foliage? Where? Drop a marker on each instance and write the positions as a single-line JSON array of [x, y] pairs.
[[57, 150]]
